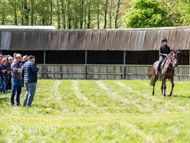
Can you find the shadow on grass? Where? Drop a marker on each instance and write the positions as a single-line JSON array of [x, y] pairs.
[[4, 99], [180, 96], [40, 106]]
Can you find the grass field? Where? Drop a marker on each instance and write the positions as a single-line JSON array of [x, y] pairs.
[[98, 111]]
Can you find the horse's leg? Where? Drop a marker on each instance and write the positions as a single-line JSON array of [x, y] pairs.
[[164, 86], [154, 82], [172, 82], [153, 89]]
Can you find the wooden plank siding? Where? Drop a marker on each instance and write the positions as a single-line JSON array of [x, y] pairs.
[[143, 39], [143, 72]]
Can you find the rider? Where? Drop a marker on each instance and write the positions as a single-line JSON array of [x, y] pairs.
[[163, 52]]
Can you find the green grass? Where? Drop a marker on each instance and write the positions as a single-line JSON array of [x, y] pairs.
[[98, 111]]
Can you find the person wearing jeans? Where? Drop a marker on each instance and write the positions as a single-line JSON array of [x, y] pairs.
[[6, 67], [29, 73], [16, 80], [2, 82]]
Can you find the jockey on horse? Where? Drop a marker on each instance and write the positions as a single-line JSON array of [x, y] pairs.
[[169, 60], [163, 52]]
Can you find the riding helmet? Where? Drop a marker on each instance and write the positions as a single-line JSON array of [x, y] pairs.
[[164, 39]]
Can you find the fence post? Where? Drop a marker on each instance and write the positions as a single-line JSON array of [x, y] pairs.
[[44, 64], [86, 57], [124, 62]]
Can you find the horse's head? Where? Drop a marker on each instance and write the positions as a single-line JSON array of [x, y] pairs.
[[174, 58]]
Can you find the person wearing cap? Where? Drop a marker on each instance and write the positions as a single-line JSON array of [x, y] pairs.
[[163, 52], [29, 73], [16, 80]]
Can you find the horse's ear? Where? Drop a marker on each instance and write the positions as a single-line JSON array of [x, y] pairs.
[[177, 52]]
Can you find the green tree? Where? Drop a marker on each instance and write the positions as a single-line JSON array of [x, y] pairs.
[[3, 11], [184, 8], [64, 14], [145, 13]]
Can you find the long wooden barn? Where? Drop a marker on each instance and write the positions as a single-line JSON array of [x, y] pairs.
[[98, 54]]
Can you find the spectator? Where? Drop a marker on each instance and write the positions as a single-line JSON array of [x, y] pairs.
[[1, 56], [10, 60], [14, 56], [16, 80], [29, 72], [25, 59], [2, 82], [5, 66]]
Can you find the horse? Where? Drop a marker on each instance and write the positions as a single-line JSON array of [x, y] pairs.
[[167, 72]]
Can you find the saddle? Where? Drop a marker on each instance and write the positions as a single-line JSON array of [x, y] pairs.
[[162, 64]]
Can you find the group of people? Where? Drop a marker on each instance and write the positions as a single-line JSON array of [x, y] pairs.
[[14, 73]]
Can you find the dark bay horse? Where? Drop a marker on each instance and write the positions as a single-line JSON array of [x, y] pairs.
[[167, 72]]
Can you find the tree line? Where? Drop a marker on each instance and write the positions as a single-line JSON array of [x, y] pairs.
[[95, 14], [64, 14]]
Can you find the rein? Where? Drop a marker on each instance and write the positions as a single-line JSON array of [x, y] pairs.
[[170, 62]]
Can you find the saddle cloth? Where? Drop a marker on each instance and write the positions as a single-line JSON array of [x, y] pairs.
[[162, 64]]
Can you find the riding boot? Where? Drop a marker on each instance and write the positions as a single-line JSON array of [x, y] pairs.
[[158, 69]]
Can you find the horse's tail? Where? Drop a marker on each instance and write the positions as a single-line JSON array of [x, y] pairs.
[[153, 80], [154, 77]]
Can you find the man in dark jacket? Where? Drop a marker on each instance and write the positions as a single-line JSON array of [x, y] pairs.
[[2, 82], [163, 52], [29, 72]]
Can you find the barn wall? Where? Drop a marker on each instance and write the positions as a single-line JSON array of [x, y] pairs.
[[102, 65], [106, 72], [99, 57]]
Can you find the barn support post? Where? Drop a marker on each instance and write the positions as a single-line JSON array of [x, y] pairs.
[[124, 62], [44, 64], [86, 57]]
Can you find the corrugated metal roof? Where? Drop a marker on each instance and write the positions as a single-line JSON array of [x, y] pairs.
[[17, 27], [139, 39]]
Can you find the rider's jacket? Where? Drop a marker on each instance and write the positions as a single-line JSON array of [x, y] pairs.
[[164, 50]]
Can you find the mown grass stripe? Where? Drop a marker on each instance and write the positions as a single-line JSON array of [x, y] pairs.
[[116, 96], [79, 95], [137, 92]]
